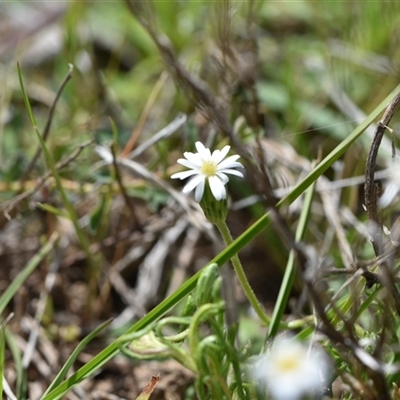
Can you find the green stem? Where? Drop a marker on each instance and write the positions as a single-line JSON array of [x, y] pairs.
[[237, 265]]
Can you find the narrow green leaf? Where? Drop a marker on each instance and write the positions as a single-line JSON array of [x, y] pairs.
[[23, 275], [26, 99], [115, 134], [288, 278], [53, 210], [2, 355], [64, 370], [21, 384], [97, 215]]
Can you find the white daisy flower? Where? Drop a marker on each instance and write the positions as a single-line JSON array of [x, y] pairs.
[[206, 167], [289, 370]]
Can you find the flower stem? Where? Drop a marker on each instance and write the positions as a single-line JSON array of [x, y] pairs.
[[237, 265]]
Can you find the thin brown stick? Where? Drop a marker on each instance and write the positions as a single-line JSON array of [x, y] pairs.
[[370, 193], [370, 190], [127, 199]]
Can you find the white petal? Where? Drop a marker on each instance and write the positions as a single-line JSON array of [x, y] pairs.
[[194, 158], [231, 172], [223, 178], [188, 154], [205, 154], [233, 158], [193, 183], [218, 157], [229, 163], [184, 174], [198, 194], [217, 188], [304, 377], [215, 155], [389, 194], [188, 164], [200, 147]]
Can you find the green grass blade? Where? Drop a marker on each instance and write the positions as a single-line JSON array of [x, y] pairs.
[[21, 383], [2, 355], [26, 99], [80, 233], [338, 151], [288, 278], [23, 275], [52, 210], [111, 350], [367, 302], [64, 370]]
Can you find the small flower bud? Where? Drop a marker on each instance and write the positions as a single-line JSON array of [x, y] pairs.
[[214, 210]]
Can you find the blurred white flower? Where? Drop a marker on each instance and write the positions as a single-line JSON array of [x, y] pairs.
[[391, 188], [206, 167], [289, 370]]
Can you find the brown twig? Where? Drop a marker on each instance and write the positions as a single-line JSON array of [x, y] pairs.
[[118, 178], [370, 190], [370, 193]]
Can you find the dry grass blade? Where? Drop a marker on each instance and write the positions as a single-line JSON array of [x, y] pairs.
[[351, 110], [164, 133], [184, 259], [330, 202], [150, 271], [143, 117], [34, 334], [145, 394], [7, 390]]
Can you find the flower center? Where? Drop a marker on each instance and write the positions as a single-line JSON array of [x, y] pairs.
[[209, 168], [287, 364]]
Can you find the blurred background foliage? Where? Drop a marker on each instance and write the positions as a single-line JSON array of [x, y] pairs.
[[305, 48], [302, 74]]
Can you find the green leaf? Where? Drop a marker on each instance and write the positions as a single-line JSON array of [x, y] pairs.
[[23, 275], [288, 278], [53, 210], [2, 354], [64, 370], [97, 214], [21, 384]]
